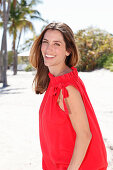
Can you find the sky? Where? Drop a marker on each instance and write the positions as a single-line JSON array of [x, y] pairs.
[[78, 14]]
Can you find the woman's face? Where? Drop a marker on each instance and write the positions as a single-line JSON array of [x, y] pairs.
[[53, 48]]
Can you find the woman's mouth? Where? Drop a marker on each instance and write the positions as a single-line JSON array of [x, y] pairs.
[[49, 56]]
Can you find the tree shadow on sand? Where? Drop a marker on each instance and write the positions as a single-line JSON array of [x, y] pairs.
[[11, 90]]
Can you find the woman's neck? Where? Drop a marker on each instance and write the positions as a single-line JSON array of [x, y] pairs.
[[58, 71]]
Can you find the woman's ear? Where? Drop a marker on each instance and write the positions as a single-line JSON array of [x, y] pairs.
[[68, 53]]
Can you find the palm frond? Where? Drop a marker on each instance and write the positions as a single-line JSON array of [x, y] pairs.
[[27, 45], [39, 18], [34, 2], [35, 12], [19, 18]]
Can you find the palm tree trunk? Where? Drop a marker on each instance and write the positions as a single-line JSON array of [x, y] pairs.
[[14, 61], [3, 69], [14, 48], [1, 58], [4, 54], [19, 39], [4, 45], [14, 3]]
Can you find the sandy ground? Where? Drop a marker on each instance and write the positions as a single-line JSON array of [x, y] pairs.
[[19, 132]]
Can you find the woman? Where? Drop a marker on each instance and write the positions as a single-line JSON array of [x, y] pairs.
[[70, 136]]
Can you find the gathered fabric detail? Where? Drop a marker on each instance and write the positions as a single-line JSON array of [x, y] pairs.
[[60, 82], [55, 91], [63, 78]]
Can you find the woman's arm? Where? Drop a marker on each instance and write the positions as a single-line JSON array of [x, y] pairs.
[[80, 124]]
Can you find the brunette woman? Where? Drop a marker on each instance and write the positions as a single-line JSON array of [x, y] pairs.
[[70, 136]]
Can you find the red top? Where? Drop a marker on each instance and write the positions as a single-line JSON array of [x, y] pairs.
[[58, 137]]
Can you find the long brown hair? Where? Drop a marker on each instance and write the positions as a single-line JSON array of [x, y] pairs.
[[41, 80]]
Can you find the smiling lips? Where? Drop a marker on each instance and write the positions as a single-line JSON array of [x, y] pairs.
[[49, 56]]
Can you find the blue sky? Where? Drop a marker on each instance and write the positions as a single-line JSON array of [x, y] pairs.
[[78, 14]]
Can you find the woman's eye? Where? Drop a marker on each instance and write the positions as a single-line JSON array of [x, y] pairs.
[[57, 44], [44, 42]]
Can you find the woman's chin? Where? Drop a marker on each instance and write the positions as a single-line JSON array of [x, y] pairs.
[[47, 64]]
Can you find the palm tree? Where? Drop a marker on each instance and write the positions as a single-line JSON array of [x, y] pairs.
[[3, 54], [19, 20], [27, 44]]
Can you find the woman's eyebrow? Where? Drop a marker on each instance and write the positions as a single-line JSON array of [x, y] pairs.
[[53, 41], [44, 39], [57, 41]]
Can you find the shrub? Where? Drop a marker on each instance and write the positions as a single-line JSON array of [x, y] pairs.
[[108, 64], [29, 68], [94, 46]]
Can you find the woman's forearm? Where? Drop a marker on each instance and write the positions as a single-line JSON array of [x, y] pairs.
[[81, 146]]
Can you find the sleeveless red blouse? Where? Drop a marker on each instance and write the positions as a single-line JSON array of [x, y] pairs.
[[57, 135]]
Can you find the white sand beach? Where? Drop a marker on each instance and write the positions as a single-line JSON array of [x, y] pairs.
[[19, 127]]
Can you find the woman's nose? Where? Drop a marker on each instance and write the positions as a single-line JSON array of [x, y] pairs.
[[49, 48]]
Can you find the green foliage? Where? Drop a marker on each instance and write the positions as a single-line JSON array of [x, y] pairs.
[[29, 68], [94, 46], [20, 20], [108, 64], [101, 60], [23, 60], [10, 58]]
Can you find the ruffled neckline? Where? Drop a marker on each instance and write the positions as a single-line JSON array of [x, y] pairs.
[[63, 78]]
